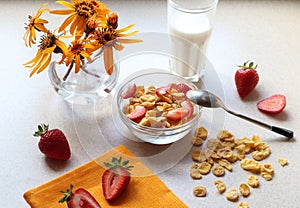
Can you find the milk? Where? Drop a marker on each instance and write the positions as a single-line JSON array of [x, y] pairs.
[[189, 35]]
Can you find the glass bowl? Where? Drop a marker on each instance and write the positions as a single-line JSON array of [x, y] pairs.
[[150, 134]]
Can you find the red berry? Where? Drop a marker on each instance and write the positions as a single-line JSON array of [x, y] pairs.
[[163, 90], [81, 198], [130, 91], [183, 88], [246, 79], [177, 114], [189, 106], [273, 104], [116, 178], [53, 143], [139, 112]]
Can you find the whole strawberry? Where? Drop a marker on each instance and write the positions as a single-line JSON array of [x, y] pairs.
[[116, 178], [246, 79], [53, 143]]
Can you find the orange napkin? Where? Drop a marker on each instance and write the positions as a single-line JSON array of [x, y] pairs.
[[145, 190]]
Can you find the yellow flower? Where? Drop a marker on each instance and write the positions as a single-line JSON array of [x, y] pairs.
[[76, 52], [49, 44], [35, 23], [108, 36], [80, 12]]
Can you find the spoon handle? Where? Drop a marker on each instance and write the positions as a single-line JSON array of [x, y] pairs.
[[285, 132]]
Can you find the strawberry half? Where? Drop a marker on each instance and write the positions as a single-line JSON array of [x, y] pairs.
[[139, 112], [273, 104], [177, 114], [189, 106], [81, 198], [163, 90], [183, 88], [129, 92], [53, 143], [116, 178], [246, 79]]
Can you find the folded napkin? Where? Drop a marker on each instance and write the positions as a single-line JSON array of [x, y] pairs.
[[145, 190]]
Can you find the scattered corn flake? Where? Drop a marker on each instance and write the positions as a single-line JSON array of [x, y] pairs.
[[225, 152], [204, 168], [267, 171], [250, 165], [201, 132], [197, 141], [218, 170], [253, 181], [232, 194], [213, 144], [225, 136], [220, 185], [244, 190], [282, 161], [243, 205], [199, 191], [225, 163], [194, 172], [261, 154]]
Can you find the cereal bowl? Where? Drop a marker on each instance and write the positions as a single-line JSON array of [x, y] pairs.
[[153, 106]]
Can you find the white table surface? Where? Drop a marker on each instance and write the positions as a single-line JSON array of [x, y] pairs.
[[267, 32]]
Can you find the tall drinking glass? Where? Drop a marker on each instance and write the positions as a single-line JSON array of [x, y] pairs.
[[190, 24]]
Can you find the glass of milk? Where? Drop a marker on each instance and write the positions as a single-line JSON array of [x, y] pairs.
[[190, 23]]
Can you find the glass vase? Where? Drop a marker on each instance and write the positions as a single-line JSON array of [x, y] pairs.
[[89, 84]]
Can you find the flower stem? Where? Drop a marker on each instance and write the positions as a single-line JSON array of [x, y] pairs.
[[69, 71]]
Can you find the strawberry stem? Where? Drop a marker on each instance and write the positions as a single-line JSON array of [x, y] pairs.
[[250, 65], [118, 163], [67, 194], [42, 129]]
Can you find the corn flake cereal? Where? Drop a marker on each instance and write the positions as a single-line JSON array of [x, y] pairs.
[[243, 205], [194, 172], [199, 191], [220, 185], [250, 165], [225, 163], [232, 194], [244, 190], [253, 181], [282, 161], [218, 170], [204, 168]]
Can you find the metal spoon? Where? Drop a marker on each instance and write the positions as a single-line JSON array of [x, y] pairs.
[[209, 100]]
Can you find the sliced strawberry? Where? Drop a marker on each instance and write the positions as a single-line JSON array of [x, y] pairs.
[[189, 106], [115, 179], [163, 90], [81, 198], [273, 104], [183, 88], [177, 114], [129, 92], [139, 112]]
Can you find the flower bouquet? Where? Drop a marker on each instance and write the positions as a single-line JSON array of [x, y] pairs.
[[88, 27]]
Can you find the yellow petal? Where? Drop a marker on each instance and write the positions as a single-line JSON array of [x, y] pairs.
[[62, 12], [34, 60], [129, 40], [108, 59], [66, 22], [45, 64], [49, 50], [66, 4], [38, 65], [125, 28], [128, 34], [77, 66]]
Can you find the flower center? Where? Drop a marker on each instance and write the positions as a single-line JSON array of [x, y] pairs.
[[47, 41], [85, 9]]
